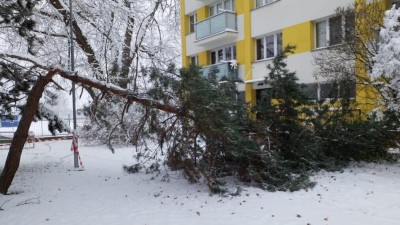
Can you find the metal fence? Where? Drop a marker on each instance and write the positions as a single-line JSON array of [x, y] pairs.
[[40, 128]]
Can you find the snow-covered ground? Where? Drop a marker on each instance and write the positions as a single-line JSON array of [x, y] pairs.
[[48, 191]]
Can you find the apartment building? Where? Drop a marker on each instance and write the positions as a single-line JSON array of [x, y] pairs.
[[252, 33]]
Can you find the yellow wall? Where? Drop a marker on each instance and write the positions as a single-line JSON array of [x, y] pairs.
[[300, 35], [247, 48], [240, 7], [202, 13], [367, 97], [204, 58], [184, 31]]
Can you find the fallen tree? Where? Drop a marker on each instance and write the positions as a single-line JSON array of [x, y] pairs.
[[39, 29], [21, 134]]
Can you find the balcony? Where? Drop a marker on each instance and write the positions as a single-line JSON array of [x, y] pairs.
[[223, 71], [218, 28], [207, 2]]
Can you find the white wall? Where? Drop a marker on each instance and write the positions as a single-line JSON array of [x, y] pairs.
[[302, 64], [191, 47], [285, 13], [192, 5], [241, 76], [259, 69]]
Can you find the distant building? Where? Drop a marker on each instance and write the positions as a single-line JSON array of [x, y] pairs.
[[253, 32]]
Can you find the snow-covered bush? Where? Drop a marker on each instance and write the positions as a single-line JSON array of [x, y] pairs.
[[387, 61]]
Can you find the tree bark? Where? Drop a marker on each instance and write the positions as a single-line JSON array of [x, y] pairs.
[[21, 134], [80, 39]]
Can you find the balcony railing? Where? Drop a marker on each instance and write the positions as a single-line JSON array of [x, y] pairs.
[[222, 71], [207, 2], [216, 24]]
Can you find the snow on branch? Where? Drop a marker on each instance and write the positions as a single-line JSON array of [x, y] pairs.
[[27, 58], [387, 61], [124, 93], [101, 85]]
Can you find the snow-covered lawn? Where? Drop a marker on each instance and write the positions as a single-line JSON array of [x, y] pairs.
[[48, 191]]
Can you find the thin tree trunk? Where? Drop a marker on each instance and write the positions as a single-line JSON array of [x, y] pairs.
[[20, 136], [127, 56]]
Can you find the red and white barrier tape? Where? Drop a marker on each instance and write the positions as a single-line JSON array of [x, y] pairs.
[[74, 147], [36, 139]]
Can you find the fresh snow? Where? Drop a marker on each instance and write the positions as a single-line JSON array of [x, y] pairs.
[[387, 60], [47, 190]]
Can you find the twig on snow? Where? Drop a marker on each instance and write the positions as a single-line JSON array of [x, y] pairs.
[[1, 206], [29, 201]]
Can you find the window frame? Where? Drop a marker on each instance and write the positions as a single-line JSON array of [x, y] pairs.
[[317, 43], [215, 10], [195, 58], [337, 89], [263, 3], [336, 36], [327, 90], [223, 50], [191, 25], [264, 53], [344, 31]]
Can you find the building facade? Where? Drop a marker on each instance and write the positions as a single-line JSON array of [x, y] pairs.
[[252, 32]]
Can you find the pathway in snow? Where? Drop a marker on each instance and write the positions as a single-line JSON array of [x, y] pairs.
[[48, 191]]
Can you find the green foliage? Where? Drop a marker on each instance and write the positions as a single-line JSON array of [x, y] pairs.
[[300, 136], [16, 81], [280, 129], [132, 169], [213, 137], [212, 141], [362, 140], [17, 14], [16, 84]]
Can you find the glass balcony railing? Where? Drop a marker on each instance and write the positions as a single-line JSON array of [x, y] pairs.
[[216, 24], [222, 71]]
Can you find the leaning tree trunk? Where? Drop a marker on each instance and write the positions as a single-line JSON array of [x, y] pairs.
[[20, 136]]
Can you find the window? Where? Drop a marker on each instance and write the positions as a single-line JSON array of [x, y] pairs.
[[327, 91], [194, 60], [310, 90], [260, 3], [337, 89], [335, 30], [269, 46], [320, 30], [223, 54], [349, 27], [330, 31], [192, 22], [241, 97], [226, 5]]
